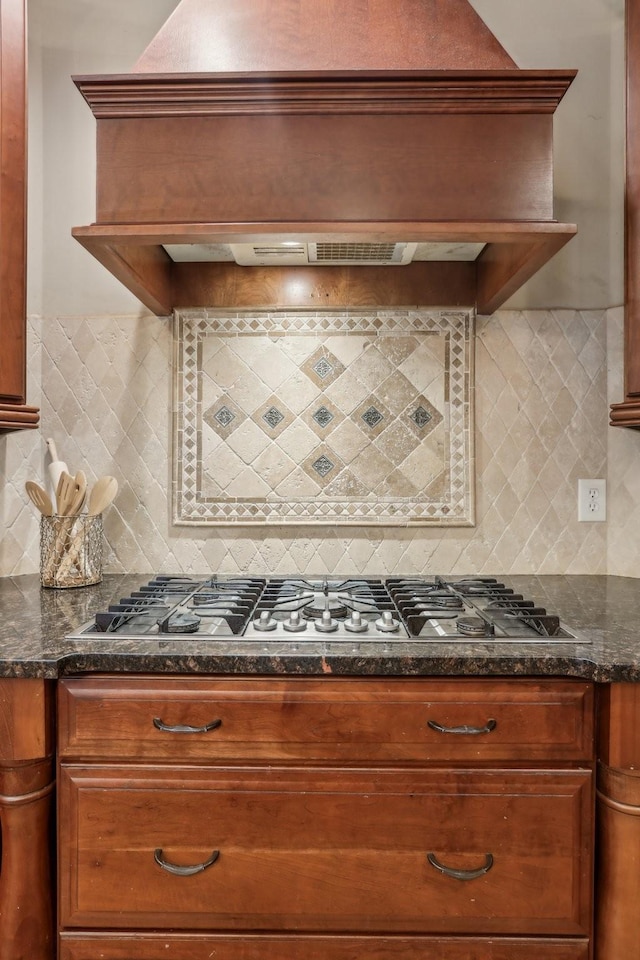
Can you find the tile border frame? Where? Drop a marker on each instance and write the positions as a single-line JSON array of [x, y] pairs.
[[189, 328]]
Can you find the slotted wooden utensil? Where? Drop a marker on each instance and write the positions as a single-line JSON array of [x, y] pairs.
[[70, 493], [39, 497]]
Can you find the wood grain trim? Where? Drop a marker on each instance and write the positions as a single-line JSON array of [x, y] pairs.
[[134, 255], [627, 413], [180, 946], [444, 231], [13, 201], [504, 267], [619, 725], [518, 91], [144, 269], [229, 285], [26, 720]]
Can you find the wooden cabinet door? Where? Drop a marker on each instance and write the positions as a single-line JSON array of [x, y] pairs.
[[326, 849], [300, 719], [14, 413]]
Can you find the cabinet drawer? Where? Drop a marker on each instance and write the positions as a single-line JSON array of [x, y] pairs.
[[326, 849], [325, 720], [250, 947]]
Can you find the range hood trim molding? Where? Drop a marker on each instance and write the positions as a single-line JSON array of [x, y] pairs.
[[134, 254], [445, 91]]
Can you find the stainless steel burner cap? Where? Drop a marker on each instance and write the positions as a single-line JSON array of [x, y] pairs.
[[473, 627]]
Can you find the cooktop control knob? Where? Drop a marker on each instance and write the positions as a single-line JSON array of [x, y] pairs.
[[355, 623], [295, 623], [386, 623], [326, 624], [265, 621]]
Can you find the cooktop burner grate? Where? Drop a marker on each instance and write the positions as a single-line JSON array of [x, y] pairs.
[[469, 609]]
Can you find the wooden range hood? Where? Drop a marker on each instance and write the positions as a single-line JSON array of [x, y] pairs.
[[333, 121]]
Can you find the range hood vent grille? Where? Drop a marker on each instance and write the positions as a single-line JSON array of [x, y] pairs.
[[388, 253], [329, 253]]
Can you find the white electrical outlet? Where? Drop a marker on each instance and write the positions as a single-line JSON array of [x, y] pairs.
[[592, 500]]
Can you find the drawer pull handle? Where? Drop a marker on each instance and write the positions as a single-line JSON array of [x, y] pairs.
[[179, 871], [184, 728], [465, 730], [461, 874]]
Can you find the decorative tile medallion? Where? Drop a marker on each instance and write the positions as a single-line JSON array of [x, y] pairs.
[[257, 397], [323, 417], [420, 417], [323, 465]]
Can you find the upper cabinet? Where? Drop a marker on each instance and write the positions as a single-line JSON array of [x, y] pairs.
[[627, 413], [14, 412]]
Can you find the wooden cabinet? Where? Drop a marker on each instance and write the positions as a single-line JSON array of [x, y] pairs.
[[14, 412], [333, 818], [26, 791], [618, 823]]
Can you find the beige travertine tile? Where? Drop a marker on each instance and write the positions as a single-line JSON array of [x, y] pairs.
[[298, 391], [127, 436], [297, 441], [397, 442], [371, 467], [396, 392], [264, 358], [372, 367], [298, 485], [222, 467], [347, 392], [334, 385], [248, 441], [273, 465], [348, 440], [223, 366]]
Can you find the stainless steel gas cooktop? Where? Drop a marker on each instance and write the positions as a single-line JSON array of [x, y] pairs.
[[465, 609]]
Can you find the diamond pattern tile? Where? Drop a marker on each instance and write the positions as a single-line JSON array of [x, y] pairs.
[[541, 423], [338, 357]]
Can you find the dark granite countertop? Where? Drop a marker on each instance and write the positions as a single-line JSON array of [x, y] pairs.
[[602, 612]]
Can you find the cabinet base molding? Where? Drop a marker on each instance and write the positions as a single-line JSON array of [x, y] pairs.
[[184, 947], [18, 416], [618, 876]]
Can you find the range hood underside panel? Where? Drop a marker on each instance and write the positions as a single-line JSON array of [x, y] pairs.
[[513, 252]]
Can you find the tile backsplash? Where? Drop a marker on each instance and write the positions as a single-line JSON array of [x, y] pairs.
[[300, 417], [541, 423]]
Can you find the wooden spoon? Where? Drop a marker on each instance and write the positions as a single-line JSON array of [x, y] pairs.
[[39, 497], [102, 493]]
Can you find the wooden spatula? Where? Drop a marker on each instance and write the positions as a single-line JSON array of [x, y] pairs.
[[39, 497]]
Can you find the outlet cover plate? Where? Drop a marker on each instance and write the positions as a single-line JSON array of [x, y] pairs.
[[592, 500]]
